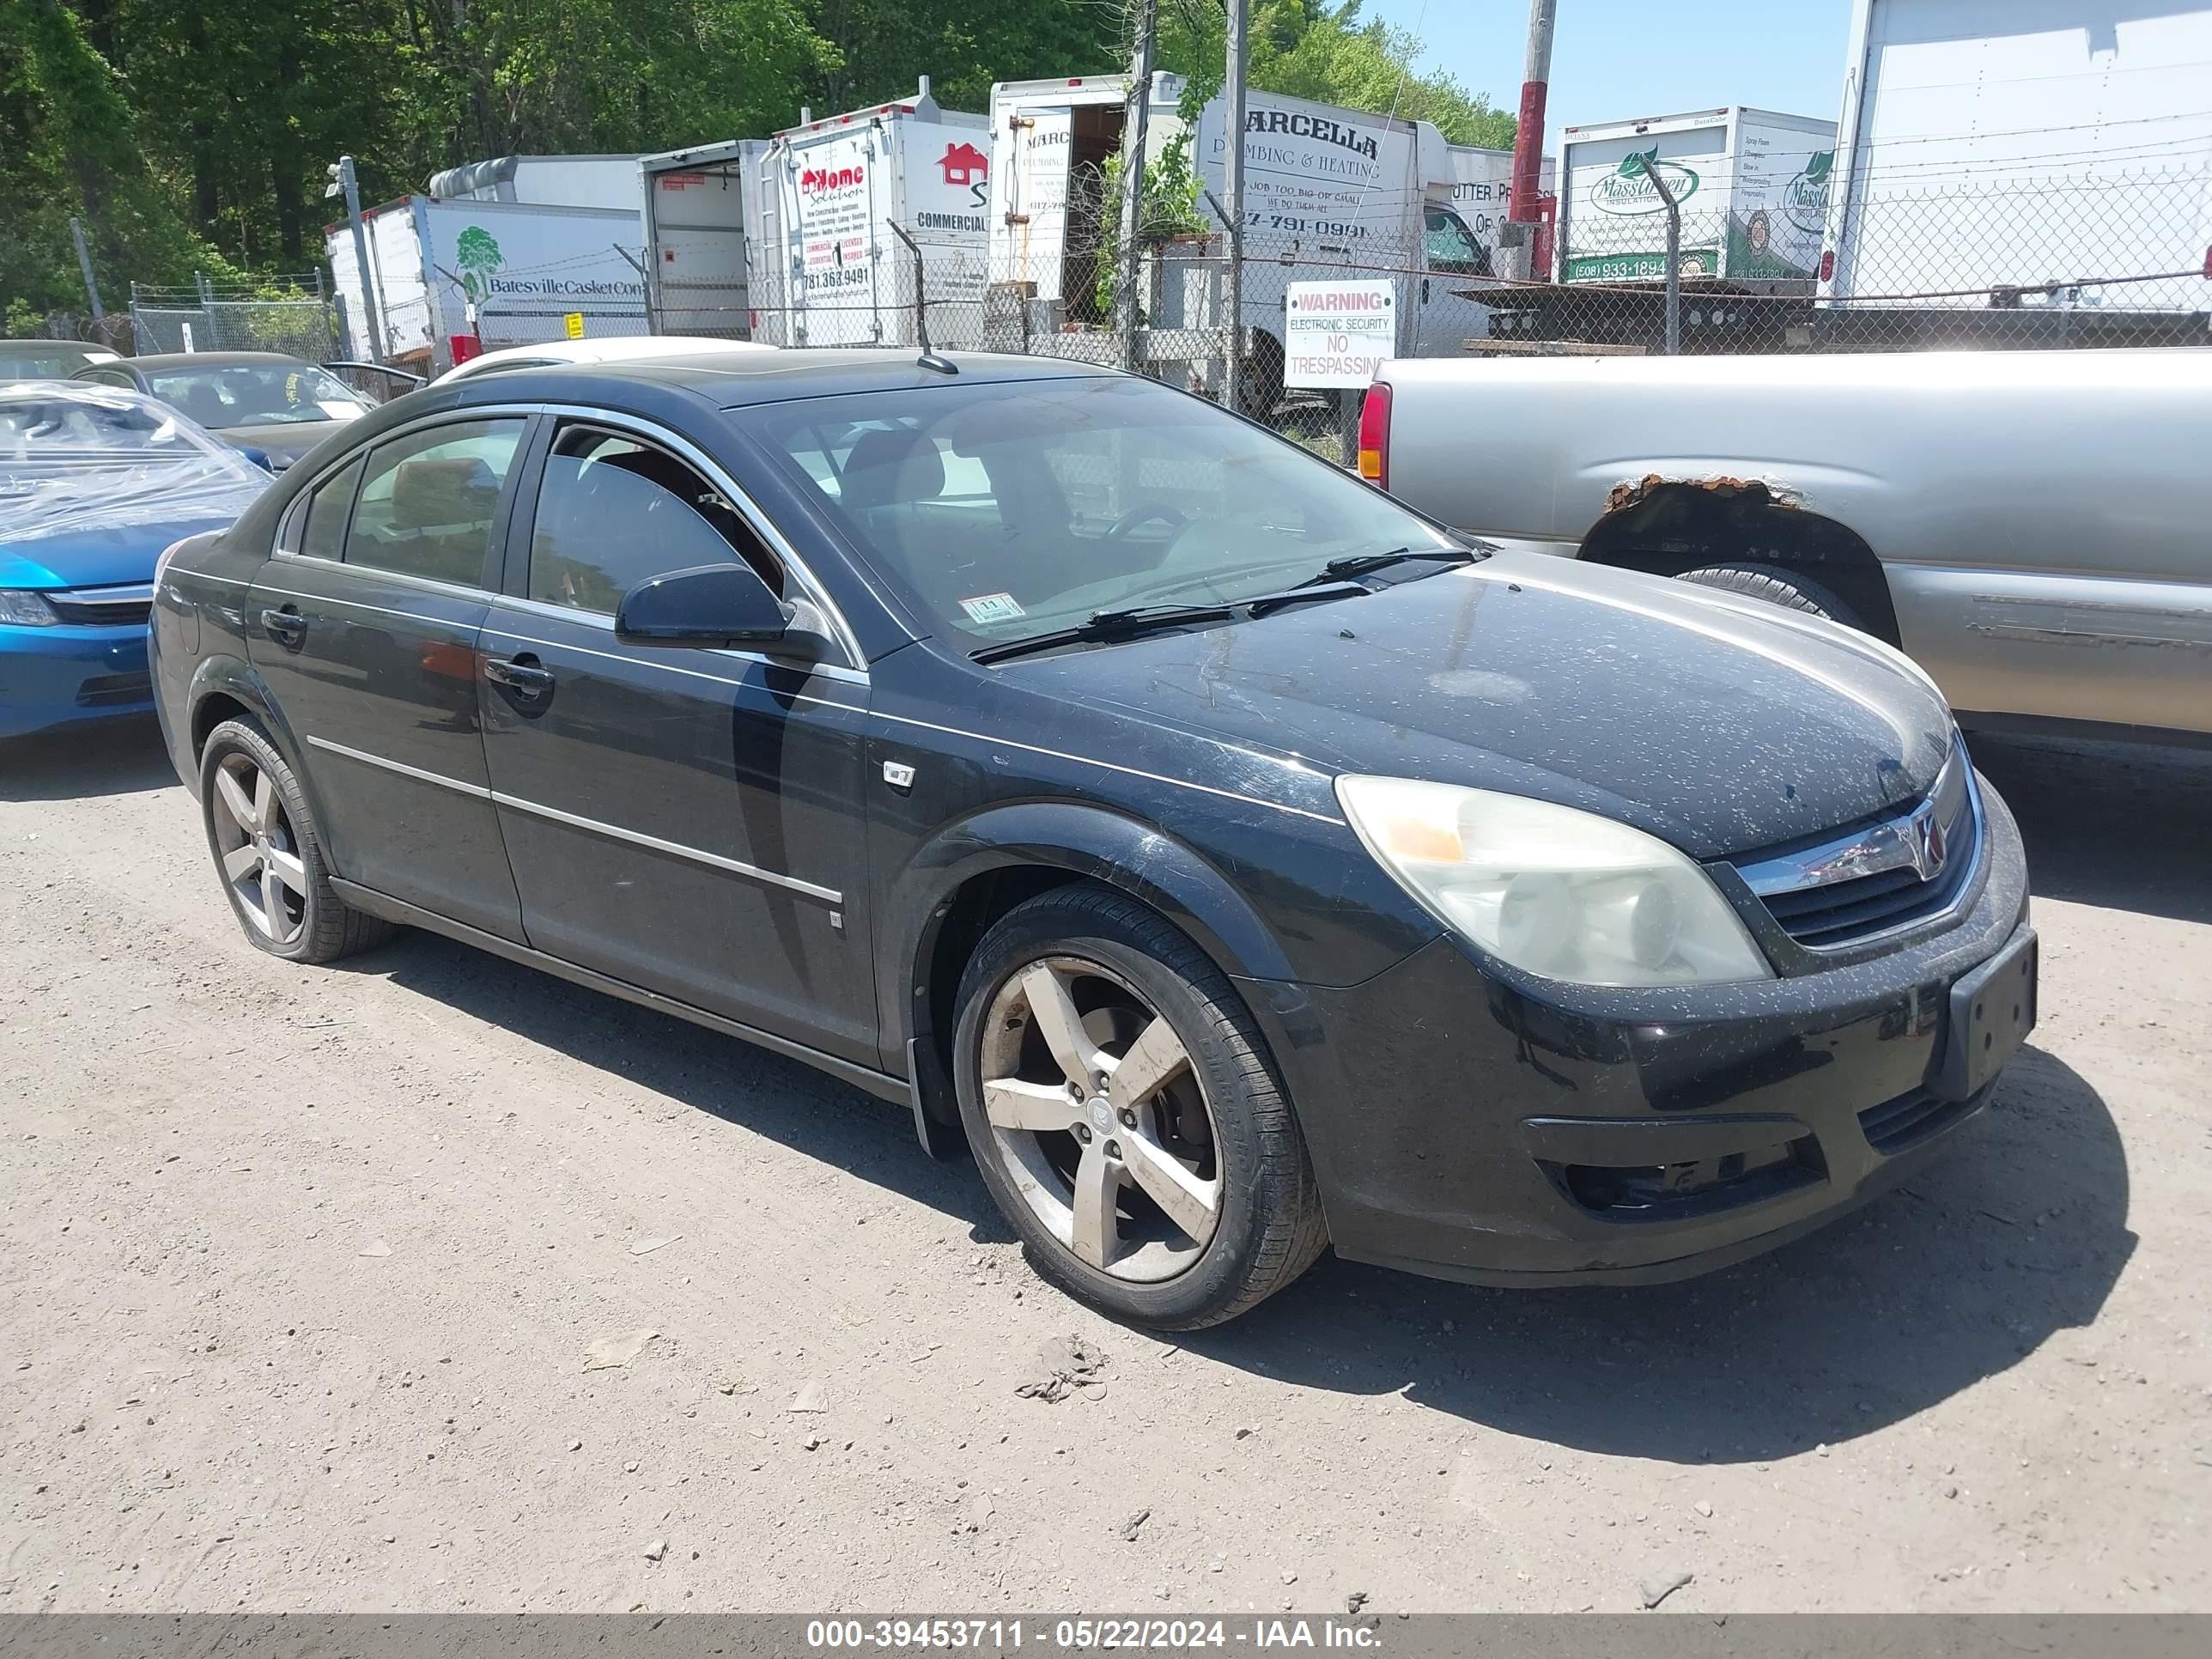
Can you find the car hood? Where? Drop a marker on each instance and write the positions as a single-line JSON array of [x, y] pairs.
[[99, 556], [1718, 724], [291, 440]]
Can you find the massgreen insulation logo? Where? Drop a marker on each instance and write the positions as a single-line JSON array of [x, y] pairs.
[[1805, 198], [1628, 189], [479, 259]]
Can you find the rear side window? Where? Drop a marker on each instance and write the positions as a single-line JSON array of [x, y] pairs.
[[614, 511], [427, 501], [323, 536]]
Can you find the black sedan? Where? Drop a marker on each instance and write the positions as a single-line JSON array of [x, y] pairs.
[[1245, 865], [274, 407]]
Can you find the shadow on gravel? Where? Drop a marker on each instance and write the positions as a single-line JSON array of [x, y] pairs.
[[2121, 825], [111, 757], [2019, 1232], [721, 1076]]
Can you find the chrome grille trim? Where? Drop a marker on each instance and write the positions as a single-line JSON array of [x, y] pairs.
[[1901, 875], [126, 602], [1895, 843]]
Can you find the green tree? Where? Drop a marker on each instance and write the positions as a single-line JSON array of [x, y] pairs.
[[69, 145], [1327, 52], [879, 46]]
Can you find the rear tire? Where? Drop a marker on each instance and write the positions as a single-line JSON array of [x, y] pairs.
[[1777, 586], [268, 853], [1069, 990]]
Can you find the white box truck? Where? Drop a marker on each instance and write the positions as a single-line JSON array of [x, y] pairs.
[[697, 204], [829, 266], [1987, 145], [1329, 194], [1482, 194], [507, 273], [1751, 185]]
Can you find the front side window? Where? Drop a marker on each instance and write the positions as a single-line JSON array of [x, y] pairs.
[[428, 500], [1002, 510], [614, 511], [1451, 246]]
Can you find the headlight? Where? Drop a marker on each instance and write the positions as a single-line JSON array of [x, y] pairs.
[[26, 608], [1552, 890]]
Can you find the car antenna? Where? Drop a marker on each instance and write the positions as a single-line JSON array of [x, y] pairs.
[[929, 359]]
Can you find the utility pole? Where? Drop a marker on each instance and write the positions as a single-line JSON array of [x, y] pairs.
[[1132, 184], [343, 183], [1673, 287], [1525, 206], [84, 265], [1232, 182]]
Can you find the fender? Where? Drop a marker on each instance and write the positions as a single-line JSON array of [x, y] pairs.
[[235, 677], [1086, 841]]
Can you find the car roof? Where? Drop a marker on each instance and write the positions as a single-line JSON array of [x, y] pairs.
[[619, 347], [214, 360], [27, 347], [737, 378]]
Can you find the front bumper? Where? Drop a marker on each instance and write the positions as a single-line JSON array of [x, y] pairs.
[[54, 675], [1462, 1128]]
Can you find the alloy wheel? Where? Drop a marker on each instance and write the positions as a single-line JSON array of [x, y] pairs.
[[1100, 1120], [259, 850]]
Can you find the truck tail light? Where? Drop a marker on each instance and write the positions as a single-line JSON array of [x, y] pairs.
[[1375, 435], [1828, 264]]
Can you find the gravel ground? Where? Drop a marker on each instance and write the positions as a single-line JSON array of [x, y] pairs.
[[299, 1270]]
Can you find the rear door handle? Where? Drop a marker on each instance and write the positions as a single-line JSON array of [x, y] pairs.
[[286, 627], [519, 674]]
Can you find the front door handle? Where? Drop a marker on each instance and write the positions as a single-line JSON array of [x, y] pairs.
[[286, 627], [521, 674]]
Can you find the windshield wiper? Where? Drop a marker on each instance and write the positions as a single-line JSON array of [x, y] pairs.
[[1361, 564], [1106, 625]]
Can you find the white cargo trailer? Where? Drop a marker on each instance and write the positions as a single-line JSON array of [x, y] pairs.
[[1988, 143], [830, 265], [597, 181], [506, 272], [1050, 142], [1751, 185], [697, 204]]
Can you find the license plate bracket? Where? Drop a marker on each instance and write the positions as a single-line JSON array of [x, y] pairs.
[[1992, 1011]]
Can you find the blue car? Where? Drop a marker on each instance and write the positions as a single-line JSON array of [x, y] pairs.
[[94, 483]]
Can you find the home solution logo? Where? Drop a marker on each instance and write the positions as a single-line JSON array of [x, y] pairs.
[[1627, 190]]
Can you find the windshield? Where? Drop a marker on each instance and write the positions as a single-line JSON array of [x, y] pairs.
[[82, 456], [257, 394], [1005, 510]]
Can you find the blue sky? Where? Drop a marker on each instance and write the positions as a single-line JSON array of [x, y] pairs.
[[1614, 58]]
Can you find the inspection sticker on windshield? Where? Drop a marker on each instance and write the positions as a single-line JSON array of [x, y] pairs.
[[992, 608]]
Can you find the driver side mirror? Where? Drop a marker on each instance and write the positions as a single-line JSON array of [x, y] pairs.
[[717, 604]]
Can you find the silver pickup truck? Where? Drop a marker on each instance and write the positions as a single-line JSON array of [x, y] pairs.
[[2033, 528]]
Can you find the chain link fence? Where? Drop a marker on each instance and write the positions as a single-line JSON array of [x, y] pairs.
[[2119, 260], [291, 314]]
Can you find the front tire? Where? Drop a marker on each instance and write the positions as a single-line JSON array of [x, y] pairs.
[[1125, 1114], [268, 853]]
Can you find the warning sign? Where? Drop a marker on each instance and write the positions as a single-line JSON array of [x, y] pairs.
[[1338, 334]]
